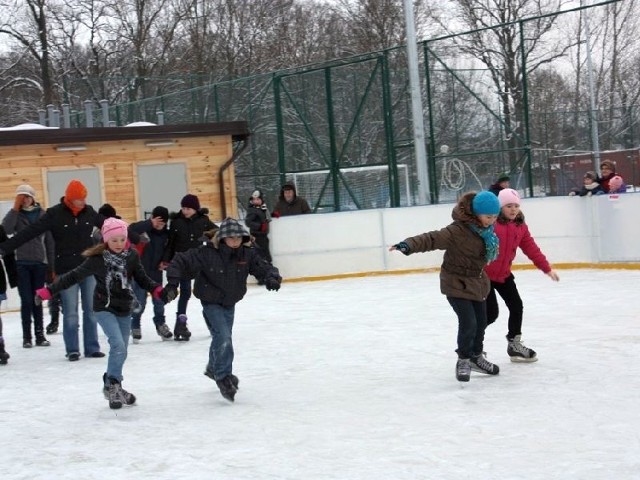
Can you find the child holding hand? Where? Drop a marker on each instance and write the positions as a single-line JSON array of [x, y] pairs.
[[114, 265], [513, 233], [469, 244]]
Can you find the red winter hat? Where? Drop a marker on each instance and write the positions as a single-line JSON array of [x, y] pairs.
[[75, 191]]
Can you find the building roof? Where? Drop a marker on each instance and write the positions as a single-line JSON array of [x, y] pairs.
[[24, 136]]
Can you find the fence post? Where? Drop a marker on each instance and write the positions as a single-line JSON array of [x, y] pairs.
[[66, 116], [104, 105], [88, 113]]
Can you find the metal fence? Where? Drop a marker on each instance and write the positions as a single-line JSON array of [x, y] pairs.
[[342, 130]]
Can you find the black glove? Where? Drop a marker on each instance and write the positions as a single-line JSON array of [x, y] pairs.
[[272, 284], [403, 247], [169, 293]]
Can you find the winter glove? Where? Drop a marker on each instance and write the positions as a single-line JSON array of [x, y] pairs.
[[403, 247], [275, 214], [17, 205], [272, 284], [168, 293], [42, 294], [157, 292], [263, 227]]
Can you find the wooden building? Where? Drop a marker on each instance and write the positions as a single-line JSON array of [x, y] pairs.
[[133, 168]]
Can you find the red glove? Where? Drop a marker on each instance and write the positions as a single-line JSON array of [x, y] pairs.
[[263, 227], [157, 292], [275, 214], [42, 294], [17, 205]]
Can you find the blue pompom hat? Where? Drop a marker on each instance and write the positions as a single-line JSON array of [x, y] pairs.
[[485, 203]]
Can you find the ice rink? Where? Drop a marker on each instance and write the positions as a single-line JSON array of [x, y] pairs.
[[345, 379]]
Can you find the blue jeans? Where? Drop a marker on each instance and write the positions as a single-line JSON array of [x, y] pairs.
[[472, 322], [158, 307], [30, 277], [117, 330], [70, 318], [185, 295], [219, 319]]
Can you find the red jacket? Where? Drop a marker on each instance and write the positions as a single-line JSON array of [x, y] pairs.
[[514, 234]]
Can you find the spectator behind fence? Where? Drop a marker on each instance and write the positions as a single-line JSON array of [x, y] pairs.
[[257, 219], [616, 185], [608, 171], [502, 182], [289, 203], [590, 186]]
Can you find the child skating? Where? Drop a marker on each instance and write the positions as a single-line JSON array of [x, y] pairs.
[[513, 233], [221, 268], [114, 266], [469, 244]]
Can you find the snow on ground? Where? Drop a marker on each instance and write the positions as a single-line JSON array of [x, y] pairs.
[[345, 379]]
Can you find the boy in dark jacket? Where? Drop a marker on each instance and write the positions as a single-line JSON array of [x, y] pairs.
[[154, 235], [220, 268], [257, 219], [186, 231]]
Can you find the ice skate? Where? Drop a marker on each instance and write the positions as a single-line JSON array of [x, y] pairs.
[[234, 380], [181, 333], [518, 353], [41, 341], [164, 331], [227, 387], [116, 395], [4, 356], [52, 327], [480, 364], [136, 335], [463, 370]]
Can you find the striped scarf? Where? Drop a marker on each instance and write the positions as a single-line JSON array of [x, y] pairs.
[[116, 264], [490, 239]]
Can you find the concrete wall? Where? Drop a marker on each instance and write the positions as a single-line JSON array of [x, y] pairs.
[[569, 230]]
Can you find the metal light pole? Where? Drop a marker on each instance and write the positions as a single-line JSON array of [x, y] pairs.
[[592, 100], [416, 105]]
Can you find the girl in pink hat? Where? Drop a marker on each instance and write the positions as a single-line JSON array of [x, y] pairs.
[[513, 233], [114, 265]]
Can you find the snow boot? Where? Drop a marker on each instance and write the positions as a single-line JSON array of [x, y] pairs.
[[4, 356], [136, 335], [518, 352], [479, 363], [164, 331], [227, 387], [181, 333], [463, 370]]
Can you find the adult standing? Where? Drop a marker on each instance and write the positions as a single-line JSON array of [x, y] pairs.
[[503, 181], [33, 260], [289, 203], [71, 223]]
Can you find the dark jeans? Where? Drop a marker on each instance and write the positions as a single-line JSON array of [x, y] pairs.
[[185, 295], [158, 307], [31, 276], [472, 322], [509, 293]]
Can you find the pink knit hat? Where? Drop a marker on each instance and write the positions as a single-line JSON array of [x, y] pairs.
[[507, 196], [615, 183], [113, 227]]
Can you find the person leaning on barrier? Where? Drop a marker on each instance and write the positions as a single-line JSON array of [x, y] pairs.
[[289, 203], [590, 186]]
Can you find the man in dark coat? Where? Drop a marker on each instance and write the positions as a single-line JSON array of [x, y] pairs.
[[289, 203]]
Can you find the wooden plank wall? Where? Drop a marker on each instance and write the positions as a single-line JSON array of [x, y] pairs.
[[118, 161]]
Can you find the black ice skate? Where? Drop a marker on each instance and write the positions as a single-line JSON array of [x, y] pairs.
[[518, 352], [181, 333], [164, 331], [463, 370], [4, 356], [52, 327], [227, 387], [136, 335], [480, 364], [234, 380]]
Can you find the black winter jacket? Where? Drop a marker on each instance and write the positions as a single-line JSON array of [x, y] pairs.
[[186, 233], [255, 218], [71, 234], [9, 262], [120, 300], [220, 272], [153, 250]]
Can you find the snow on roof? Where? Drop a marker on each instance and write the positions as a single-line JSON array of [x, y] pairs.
[[140, 124], [28, 126]]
